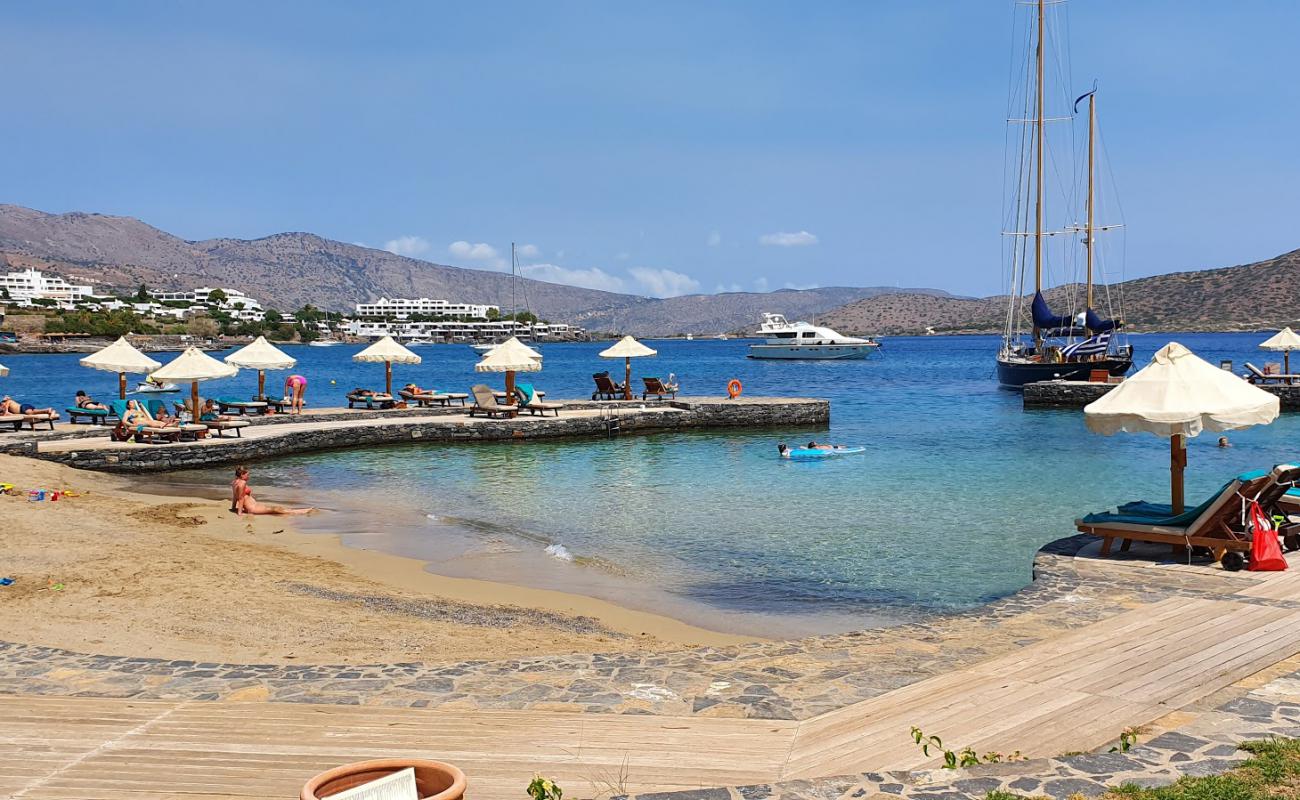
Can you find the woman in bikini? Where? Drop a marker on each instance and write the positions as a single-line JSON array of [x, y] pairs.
[[242, 500], [295, 388]]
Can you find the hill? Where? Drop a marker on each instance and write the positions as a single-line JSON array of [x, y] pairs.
[[287, 270], [1262, 295]]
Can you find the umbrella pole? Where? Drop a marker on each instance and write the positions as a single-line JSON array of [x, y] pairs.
[[510, 386], [121, 385], [194, 402], [1286, 363], [388, 378], [1177, 463], [261, 384], [627, 379]]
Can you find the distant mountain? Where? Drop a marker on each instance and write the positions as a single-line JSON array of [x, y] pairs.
[[287, 270], [1263, 295]]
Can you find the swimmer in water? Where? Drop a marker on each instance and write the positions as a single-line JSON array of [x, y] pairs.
[[783, 449]]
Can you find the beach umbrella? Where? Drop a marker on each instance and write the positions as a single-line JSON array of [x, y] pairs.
[[120, 357], [4, 371], [389, 352], [261, 355], [510, 356], [1178, 395], [1285, 340], [193, 366], [627, 349]]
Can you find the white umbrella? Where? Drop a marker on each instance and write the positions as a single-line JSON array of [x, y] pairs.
[[627, 349], [510, 356], [193, 366], [1179, 395], [120, 357], [1285, 340], [389, 352], [261, 355]]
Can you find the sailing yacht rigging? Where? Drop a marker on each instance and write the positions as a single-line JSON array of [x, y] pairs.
[[1070, 346]]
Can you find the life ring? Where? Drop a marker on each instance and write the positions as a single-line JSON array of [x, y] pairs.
[[734, 388]]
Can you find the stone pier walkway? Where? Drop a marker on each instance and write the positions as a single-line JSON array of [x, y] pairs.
[[1092, 648]]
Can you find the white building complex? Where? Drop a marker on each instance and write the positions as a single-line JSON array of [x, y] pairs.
[[461, 331], [237, 304], [31, 284], [402, 308]]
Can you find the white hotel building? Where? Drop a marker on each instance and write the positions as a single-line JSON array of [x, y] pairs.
[[402, 308], [237, 304], [30, 284]]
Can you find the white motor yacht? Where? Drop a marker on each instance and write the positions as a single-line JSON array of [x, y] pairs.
[[785, 339]]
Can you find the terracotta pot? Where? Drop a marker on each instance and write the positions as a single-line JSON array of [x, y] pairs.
[[433, 779]]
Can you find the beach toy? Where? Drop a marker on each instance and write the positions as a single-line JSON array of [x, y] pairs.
[[36, 495], [6, 581], [55, 587], [804, 454], [734, 388]]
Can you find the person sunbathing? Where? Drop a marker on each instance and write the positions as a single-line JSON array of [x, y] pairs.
[[816, 446], [86, 403], [242, 501], [135, 417], [209, 413], [413, 389], [164, 418], [11, 406]]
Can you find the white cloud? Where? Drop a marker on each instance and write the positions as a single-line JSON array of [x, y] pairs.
[[735, 287], [528, 251], [714, 239], [408, 246], [783, 239], [481, 251], [760, 284], [594, 278], [663, 282]]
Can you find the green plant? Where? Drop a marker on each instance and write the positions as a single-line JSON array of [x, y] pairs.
[[544, 789], [1127, 738], [965, 757]]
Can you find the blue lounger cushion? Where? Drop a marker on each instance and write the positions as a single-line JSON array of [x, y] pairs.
[[1144, 513]]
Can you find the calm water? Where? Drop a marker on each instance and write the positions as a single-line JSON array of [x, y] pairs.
[[956, 491]]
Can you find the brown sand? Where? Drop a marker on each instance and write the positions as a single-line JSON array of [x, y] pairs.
[[186, 579]]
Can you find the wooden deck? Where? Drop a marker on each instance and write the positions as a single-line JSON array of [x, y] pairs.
[[1074, 692]]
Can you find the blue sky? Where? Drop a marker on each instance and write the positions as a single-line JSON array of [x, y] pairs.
[[655, 148]]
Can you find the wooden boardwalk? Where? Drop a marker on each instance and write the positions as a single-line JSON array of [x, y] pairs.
[[1074, 692]]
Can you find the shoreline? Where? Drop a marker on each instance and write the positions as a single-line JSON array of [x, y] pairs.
[[112, 570]]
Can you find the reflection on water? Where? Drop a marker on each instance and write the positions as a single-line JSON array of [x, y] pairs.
[[956, 491]]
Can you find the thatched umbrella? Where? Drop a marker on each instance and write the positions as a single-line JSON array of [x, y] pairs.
[[261, 355], [1285, 340], [510, 356], [1176, 396], [193, 366], [627, 349], [120, 357], [389, 352]]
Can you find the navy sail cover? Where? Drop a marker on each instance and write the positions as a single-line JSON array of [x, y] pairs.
[[1099, 325], [1043, 316]]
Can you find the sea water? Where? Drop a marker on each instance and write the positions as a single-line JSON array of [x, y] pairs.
[[957, 489]]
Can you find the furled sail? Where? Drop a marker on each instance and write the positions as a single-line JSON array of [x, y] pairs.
[[1099, 325], [1043, 316]]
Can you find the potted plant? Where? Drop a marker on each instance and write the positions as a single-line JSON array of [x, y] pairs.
[[434, 780]]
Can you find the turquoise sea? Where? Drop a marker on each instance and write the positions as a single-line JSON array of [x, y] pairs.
[[957, 489]]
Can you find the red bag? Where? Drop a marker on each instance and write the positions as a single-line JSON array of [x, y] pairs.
[[1265, 552]]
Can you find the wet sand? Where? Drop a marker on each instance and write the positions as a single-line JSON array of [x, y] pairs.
[[124, 572]]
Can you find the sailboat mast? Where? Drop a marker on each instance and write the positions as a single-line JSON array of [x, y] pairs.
[[1088, 225], [1038, 175], [514, 310]]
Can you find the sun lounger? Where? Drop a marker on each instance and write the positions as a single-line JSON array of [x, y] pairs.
[[425, 399], [190, 430], [501, 396], [657, 387], [94, 416], [485, 402], [1259, 377], [1216, 524], [30, 420], [241, 407], [216, 427], [12, 419], [370, 401], [530, 400], [606, 388]]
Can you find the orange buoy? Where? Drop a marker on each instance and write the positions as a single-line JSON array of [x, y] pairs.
[[734, 388]]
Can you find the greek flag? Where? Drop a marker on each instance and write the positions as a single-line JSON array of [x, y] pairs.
[[1092, 346]]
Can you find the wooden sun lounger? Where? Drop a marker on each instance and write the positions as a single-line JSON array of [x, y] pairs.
[[12, 419], [425, 399], [1259, 377], [1219, 527], [657, 387], [32, 420], [242, 407], [370, 401], [485, 402], [537, 407], [606, 388]]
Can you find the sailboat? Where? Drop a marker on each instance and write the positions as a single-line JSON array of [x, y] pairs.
[[1057, 346], [484, 348]]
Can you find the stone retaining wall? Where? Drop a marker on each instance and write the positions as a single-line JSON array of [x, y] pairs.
[[1077, 394], [437, 427]]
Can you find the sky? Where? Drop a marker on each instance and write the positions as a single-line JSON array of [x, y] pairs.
[[656, 148]]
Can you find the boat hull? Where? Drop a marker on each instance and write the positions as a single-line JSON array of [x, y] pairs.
[[1015, 374], [818, 352]]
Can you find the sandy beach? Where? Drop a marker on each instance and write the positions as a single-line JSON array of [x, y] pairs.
[[123, 573]]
